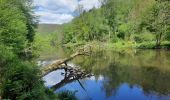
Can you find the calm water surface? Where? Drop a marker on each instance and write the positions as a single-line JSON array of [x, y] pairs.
[[130, 75]]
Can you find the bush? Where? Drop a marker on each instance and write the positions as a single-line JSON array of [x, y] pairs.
[[165, 45], [137, 38], [147, 45], [19, 79], [167, 37], [144, 37], [121, 35], [152, 45]]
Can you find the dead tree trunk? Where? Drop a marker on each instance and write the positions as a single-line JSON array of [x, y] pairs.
[[58, 64]]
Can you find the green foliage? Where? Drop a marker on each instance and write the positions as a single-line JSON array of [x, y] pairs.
[[67, 95], [17, 25], [117, 20], [148, 45], [152, 45], [157, 20], [144, 37], [13, 27], [87, 27], [122, 31], [20, 78]]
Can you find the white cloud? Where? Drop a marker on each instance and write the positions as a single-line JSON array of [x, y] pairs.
[[60, 11], [89, 4], [56, 5], [53, 18]]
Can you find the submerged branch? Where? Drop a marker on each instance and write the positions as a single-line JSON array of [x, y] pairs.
[[71, 75]]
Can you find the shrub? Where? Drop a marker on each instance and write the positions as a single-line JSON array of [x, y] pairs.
[[147, 45], [144, 37], [19, 79]]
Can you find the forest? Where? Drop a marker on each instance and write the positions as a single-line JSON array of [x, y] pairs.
[[116, 25], [134, 23]]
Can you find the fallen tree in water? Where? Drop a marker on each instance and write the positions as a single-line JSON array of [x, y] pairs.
[[72, 74], [62, 63]]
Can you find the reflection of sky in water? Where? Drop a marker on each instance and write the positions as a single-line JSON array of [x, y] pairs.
[[95, 89], [53, 78]]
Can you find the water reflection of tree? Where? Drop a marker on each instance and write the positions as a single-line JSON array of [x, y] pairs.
[[71, 75], [143, 68], [149, 78]]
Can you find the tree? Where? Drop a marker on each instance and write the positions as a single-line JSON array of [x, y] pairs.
[[17, 25], [19, 77], [26, 8], [13, 29], [158, 21], [110, 13]]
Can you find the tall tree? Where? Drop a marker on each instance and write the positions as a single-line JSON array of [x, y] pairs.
[[18, 24], [158, 20], [110, 13], [19, 78]]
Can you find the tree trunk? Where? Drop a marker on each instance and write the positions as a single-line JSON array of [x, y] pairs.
[[58, 64], [158, 40]]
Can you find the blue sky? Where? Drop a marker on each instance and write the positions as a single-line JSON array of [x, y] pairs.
[[60, 11]]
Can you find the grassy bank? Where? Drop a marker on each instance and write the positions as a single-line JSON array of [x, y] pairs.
[[120, 45]]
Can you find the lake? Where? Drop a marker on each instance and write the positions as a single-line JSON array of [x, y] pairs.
[[125, 75]]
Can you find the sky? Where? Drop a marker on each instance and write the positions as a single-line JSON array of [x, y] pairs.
[[61, 11]]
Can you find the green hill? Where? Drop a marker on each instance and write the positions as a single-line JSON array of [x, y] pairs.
[[48, 28]]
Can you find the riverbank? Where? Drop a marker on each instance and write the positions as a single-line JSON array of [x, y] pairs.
[[120, 45], [47, 46]]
